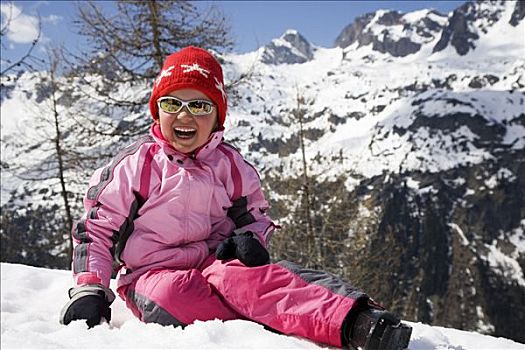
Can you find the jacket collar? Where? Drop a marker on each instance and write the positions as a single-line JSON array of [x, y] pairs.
[[200, 153]]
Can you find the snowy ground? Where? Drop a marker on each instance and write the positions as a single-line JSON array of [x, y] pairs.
[[32, 299]]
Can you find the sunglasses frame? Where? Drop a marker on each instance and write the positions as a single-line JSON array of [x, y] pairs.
[[185, 104]]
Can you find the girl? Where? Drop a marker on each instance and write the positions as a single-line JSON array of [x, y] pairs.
[[183, 214]]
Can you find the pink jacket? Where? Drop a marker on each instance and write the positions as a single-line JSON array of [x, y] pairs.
[[153, 207]]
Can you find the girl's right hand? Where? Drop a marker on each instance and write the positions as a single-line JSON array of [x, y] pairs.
[[88, 302]]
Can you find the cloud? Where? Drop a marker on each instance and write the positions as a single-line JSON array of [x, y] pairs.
[[53, 19], [21, 28]]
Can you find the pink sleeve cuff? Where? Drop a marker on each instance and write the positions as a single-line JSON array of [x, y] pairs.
[[84, 278]]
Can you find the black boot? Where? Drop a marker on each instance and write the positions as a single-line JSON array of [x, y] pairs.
[[373, 329]]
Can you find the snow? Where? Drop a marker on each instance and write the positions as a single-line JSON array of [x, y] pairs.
[[431, 14], [504, 264], [33, 297], [514, 136], [502, 174], [484, 326], [455, 227], [518, 237], [500, 40]]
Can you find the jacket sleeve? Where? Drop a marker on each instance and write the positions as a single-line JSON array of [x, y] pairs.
[[111, 203], [249, 206]]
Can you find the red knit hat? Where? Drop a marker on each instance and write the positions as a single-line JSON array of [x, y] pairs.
[[194, 68]]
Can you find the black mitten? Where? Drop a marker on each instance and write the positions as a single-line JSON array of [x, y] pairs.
[[245, 248], [90, 303]]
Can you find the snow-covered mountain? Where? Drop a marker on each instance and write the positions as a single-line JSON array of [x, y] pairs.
[[393, 32], [414, 130], [427, 139], [290, 48], [33, 297], [404, 34]]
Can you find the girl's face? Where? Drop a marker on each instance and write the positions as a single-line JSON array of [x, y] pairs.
[[184, 131]]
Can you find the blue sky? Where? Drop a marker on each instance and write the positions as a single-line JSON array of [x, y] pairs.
[[254, 23]]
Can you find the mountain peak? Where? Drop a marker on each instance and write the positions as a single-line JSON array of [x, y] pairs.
[[290, 32], [289, 48], [473, 19], [393, 32]]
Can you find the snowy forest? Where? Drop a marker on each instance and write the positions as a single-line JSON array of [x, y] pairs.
[[394, 159]]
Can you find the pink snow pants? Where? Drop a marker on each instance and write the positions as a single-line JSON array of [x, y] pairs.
[[283, 296]]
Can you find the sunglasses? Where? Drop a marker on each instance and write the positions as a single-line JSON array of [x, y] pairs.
[[170, 104]]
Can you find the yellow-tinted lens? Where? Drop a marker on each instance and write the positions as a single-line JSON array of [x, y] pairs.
[[170, 105], [200, 107]]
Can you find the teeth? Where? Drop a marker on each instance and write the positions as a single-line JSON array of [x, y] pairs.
[[181, 129]]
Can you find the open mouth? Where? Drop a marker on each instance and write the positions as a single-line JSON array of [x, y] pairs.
[[184, 133]]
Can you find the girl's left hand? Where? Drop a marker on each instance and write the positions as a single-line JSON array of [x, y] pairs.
[[244, 247]]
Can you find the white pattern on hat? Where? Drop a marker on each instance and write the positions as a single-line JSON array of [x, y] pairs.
[[195, 67], [220, 87], [165, 73]]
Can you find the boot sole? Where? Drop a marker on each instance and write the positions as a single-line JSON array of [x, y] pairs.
[[386, 332], [394, 338]]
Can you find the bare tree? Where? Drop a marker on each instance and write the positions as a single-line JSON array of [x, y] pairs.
[[313, 239], [126, 49], [50, 154], [25, 61], [54, 61], [301, 198], [140, 34]]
